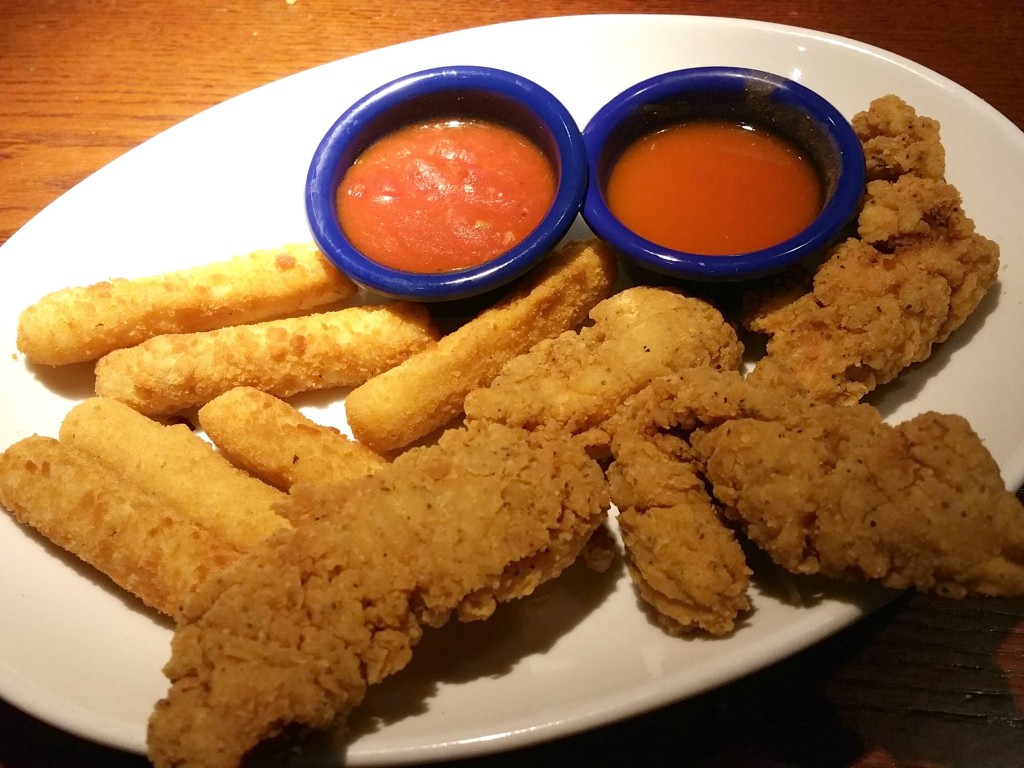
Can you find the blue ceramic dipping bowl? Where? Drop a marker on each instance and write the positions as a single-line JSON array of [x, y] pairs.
[[773, 103], [447, 92]]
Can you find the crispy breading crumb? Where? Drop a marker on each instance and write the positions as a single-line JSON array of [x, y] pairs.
[[295, 631], [919, 505], [685, 562], [881, 301], [896, 140], [574, 382], [822, 489]]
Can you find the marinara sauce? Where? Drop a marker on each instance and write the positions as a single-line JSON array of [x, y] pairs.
[[714, 188], [444, 195]]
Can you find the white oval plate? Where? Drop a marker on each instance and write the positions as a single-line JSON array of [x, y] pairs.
[[75, 652]]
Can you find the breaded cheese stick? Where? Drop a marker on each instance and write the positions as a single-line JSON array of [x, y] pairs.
[[145, 546], [427, 390], [179, 467], [274, 441], [73, 325], [167, 374]]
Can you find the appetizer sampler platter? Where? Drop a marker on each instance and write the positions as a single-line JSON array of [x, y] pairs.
[[76, 652]]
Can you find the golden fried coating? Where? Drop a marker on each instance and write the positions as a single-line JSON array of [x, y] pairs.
[[882, 300], [78, 324], [911, 211], [178, 467], [427, 391], [835, 490], [273, 441], [293, 632], [574, 382], [685, 562], [686, 565], [170, 373], [896, 141], [871, 313], [144, 545], [841, 493]]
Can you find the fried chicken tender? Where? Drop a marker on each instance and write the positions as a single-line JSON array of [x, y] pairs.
[[897, 141], [835, 490], [170, 373], [685, 563], [294, 632], [683, 558], [141, 543], [178, 467], [884, 299], [74, 325], [270, 439], [576, 381], [427, 391]]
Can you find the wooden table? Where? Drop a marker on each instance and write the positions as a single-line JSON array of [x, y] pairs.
[[922, 683]]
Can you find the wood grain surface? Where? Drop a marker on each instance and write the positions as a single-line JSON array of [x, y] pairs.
[[83, 82], [923, 683]]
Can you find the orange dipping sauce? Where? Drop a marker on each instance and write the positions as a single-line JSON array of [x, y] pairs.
[[714, 188], [444, 195]]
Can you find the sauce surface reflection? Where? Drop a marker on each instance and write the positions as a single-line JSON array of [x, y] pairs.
[[444, 195], [714, 188]]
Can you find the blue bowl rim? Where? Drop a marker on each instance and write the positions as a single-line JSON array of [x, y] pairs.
[[836, 213], [321, 183]]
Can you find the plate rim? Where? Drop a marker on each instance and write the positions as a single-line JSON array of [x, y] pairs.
[[73, 721]]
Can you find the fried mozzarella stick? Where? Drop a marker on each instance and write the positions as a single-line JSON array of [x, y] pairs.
[[576, 381], [178, 467], [168, 374], [144, 545], [294, 632], [74, 325], [427, 391], [270, 439]]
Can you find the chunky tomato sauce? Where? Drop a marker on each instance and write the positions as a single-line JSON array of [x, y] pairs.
[[444, 195], [714, 188]]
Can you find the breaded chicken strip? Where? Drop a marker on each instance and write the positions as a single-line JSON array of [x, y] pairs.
[[574, 382], [835, 490], [882, 300], [873, 312], [896, 140], [685, 561], [823, 489], [294, 632]]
